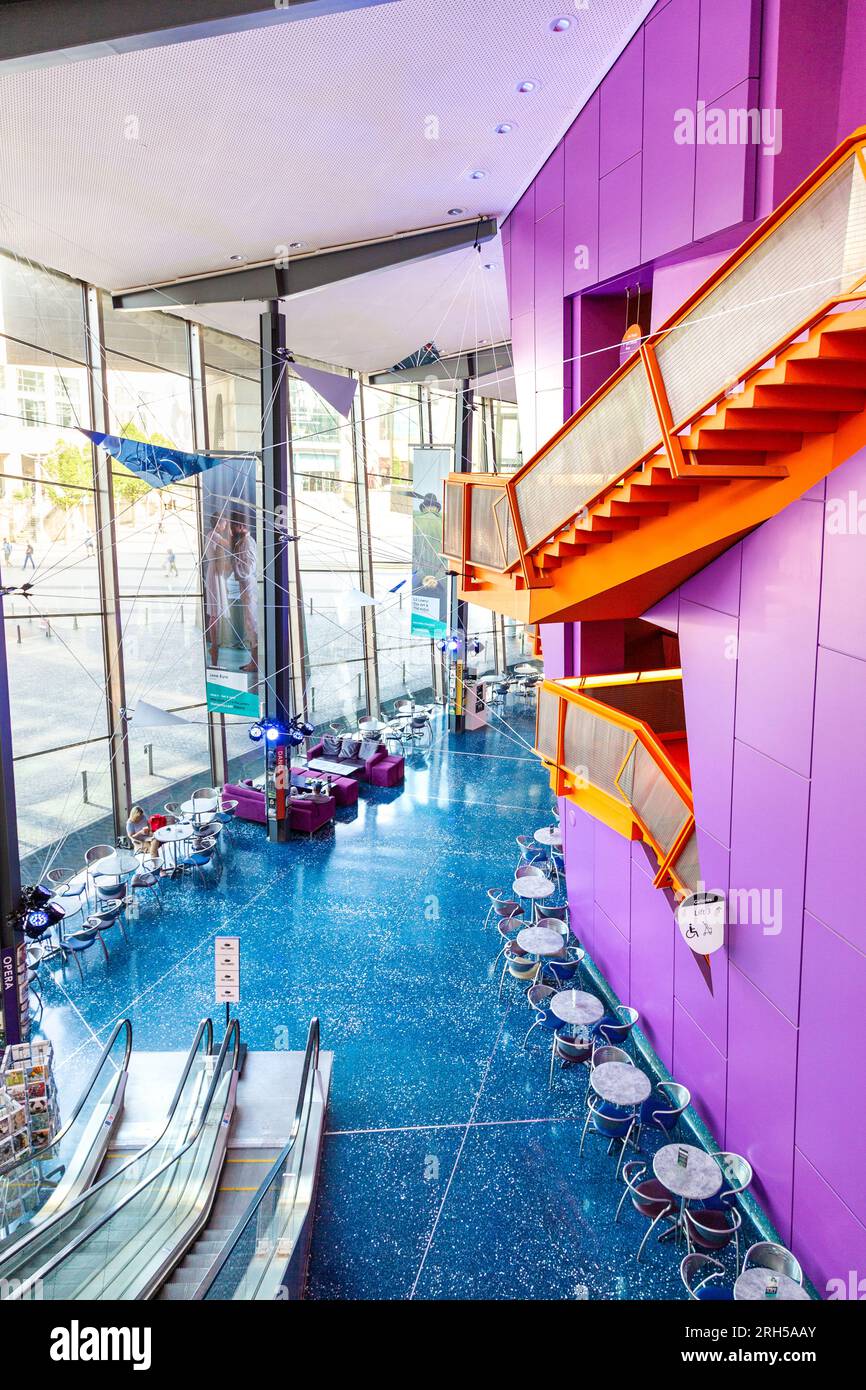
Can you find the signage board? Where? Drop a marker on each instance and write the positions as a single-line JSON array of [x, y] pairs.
[[227, 969], [701, 920]]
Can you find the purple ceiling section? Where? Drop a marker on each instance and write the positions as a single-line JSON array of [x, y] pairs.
[[772, 634]]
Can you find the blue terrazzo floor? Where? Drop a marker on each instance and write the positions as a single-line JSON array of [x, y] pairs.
[[449, 1169]]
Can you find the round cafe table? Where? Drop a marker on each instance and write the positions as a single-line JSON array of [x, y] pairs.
[[122, 861], [533, 886], [171, 836], [576, 1006], [699, 1179], [540, 941], [620, 1083], [549, 835], [752, 1286], [200, 806]]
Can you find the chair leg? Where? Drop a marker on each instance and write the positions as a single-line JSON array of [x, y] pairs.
[[103, 945], [531, 1030], [583, 1135], [502, 978], [621, 1200], [650, 1229], [552, 1060], [624, 1146]]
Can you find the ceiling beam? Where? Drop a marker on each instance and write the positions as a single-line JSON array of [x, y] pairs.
[[45, 33], [295, 276], [486, 361]]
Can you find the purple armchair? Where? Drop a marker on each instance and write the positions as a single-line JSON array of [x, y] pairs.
[[251, 802], [308, 815]]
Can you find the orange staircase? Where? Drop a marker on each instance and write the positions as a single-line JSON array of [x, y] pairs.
[[749, 395]]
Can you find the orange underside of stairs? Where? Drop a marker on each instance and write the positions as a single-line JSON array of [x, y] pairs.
[[788, 426]]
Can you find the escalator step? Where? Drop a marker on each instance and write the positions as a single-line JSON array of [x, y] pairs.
[[177, 1291]]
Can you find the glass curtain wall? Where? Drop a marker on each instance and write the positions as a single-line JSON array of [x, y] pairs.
[[353, 485]]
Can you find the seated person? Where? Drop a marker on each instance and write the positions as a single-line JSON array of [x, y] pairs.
[[138, 831]]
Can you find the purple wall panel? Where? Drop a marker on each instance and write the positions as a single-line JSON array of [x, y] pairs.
[[666, 614], [700, 1066], [549, 307], [553, 647], [652, 963], [611, 953], [580, 151], [768, 856], [836, 863], [522, 223], [579, 836], [707, 648], [612, 875], [621, 95], [778, 634], [706, 999], [843, 591], [730, 45], [725, 174], [762, 1080], [619, 234], [834, 1241], [831, 1120], [549, 184], [671, 39], [718, 584]]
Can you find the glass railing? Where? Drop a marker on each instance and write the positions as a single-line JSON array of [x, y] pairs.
[[126, 1253], [36, 1187], [260, 1249], [22, 1260]]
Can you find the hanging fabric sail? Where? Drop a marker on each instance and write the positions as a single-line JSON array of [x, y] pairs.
[[154, 463]]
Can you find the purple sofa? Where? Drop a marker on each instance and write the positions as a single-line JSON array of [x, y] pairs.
[[307, 814], [388, 771], [318, 751]]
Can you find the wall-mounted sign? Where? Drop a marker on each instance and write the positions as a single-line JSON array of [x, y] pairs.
[[701, 920], [227, 969]]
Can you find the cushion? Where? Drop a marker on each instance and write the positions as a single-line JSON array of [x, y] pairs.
[[330, 746], [349, 749], [369, 746]]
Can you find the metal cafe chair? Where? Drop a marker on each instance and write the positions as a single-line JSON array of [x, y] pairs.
[[711, 1231], [698, 1273], [766, 1254], [612, 1122], [649, 1198], [76, 943]]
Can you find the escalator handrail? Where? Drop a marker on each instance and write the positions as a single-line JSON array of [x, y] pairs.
[[233, 1031], [311, 1062], [124, 1024], [204, 1029]]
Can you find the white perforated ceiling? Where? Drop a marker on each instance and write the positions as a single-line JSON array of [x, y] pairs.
[[137, 168]]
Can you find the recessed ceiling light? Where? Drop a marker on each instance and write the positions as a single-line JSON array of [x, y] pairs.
[[529, 84], [478, 174], [456, 212], [237, 258], [504, 128], [296, 245], [482, 342], [491, 265], [559, 26]]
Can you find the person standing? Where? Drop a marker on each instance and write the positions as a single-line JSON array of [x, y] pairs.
[[218, 562], [7, 551], [28, 558], [171, 563], [244, 565]]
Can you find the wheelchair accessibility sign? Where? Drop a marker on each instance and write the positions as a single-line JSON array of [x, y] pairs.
[[701, 920]]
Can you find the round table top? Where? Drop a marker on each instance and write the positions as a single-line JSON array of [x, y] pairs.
[[533, 886], [200, 805], [167, 833], [540, 941], [620, 1083], [576, 1006], [122, 861], [549, 835], [699, 1179], [752, 1286]]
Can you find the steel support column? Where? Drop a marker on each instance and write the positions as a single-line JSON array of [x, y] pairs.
[[276, 658], [216, 723], [109, 583], [459, 607], [10, 866], [365, 552]]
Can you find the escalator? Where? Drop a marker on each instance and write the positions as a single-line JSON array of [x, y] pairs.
[[29, 1254], [38, 1186], [128, 1233]]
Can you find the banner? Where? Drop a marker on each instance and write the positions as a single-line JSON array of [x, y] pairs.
[[430, 467], [155, 464], [230, 588]]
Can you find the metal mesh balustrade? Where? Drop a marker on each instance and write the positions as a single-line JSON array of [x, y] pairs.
[[502, 513], [594, 749], [686, 865], [453, 532], [547, 728], [658, 703], [485, 546], [600, 446], [818, 251], [656, 801]]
